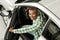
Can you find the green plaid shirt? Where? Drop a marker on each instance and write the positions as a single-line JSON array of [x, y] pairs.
[[36, 28]]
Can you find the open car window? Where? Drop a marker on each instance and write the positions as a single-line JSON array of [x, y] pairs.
[[20, 18]]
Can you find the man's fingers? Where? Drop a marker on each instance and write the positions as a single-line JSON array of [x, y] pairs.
[[10, 30]]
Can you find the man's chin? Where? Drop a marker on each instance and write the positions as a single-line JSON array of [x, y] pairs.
[[32, 19]]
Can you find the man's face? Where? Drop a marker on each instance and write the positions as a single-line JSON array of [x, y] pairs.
[[32, 14]]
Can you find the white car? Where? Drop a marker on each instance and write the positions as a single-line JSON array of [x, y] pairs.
[[51, 29]]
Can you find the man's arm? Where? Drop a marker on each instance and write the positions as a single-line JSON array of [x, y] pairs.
[[30, 28]]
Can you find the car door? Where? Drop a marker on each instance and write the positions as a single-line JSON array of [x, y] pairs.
[[47, 14]]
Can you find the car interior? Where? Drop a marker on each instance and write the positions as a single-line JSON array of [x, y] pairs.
[[19, 18]]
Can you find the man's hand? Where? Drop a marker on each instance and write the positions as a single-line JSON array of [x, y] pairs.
[[11, 29]]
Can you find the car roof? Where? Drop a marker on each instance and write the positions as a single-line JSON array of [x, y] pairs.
[[52, 5]]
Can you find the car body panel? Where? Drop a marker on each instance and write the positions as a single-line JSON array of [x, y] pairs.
[[53, 5], [3, 28]]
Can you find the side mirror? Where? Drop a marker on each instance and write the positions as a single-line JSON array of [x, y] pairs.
[[4, 13]]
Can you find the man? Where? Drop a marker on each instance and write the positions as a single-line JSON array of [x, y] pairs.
[[36, 28]]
